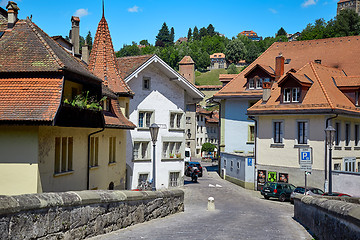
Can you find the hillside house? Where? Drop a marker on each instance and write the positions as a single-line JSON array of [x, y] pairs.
[[217, 61]]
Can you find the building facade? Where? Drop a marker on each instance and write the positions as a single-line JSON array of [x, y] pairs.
[[217, 61], [348, 4]]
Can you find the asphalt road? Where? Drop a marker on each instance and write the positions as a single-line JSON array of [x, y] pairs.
[[239, 214]]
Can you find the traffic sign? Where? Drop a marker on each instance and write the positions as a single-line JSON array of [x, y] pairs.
[[305, 159]]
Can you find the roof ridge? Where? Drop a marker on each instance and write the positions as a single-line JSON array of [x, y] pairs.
[[321, 85], [48, 48]]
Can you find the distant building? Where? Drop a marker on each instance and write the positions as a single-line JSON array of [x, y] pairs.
[[226, 78], [251, 35], [217, 61], [181, 40], [293, 37], [208, 91], [348, 4]]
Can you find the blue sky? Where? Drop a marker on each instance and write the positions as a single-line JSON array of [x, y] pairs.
[[136, 20]]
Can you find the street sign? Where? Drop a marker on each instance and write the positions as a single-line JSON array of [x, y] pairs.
[[249, 162], [305, 159]]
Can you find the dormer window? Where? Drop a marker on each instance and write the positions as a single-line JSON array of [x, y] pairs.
[[259, 83], [251, 83], [291, 95]]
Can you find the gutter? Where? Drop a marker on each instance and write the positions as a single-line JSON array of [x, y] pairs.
[[255, 149]]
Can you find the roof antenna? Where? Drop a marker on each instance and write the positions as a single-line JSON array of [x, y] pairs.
[[103, 8]]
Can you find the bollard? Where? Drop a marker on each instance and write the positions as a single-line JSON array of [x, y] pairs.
[[211, 204]]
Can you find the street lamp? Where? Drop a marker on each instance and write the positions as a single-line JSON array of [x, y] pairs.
[[154, 131], [330, 137]]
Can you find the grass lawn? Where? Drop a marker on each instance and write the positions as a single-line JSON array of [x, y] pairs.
[[210, 77]]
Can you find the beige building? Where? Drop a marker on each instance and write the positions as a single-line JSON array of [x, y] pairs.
[[52, 139], [348, 4], [217, 61]]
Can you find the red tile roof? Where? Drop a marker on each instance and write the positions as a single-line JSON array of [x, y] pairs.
[[322, 96], [217, 55], [187, 60], [347, 81], [29, 99], [340, 53], [103, 63], [116, 119], [205, 87], [128, 65]]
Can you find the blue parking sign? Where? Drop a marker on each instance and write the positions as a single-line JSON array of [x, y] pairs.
[[305, 156], [249, 162]]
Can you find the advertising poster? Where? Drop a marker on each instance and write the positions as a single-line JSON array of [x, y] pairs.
[[271, 176], [261, 179], [283, 177]]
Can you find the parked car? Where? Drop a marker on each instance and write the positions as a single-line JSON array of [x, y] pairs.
[[337, 194], [309, 191], [190, 165], [277, 190]]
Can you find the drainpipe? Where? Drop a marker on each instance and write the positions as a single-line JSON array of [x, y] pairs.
[[255, 148], [88, 160], [326, 152]]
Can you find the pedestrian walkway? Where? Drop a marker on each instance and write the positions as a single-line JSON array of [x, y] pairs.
[[239, 214]]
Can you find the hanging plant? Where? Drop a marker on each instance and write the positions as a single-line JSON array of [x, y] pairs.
[[83, 101]]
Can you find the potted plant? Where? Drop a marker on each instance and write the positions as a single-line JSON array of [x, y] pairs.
[[178, 155], [171, 155]]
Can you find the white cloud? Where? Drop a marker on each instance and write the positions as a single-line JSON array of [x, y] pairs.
[[309, 3], [273, 10], [81, 12], [133, 9]]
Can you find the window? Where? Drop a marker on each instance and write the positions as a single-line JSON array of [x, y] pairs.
[[251, 133], [94, 151], [337, 166], [112, 149], [259, 83], [172, 150], [251, 84], [337, 134], [287, 92], [143, 178], [347, 134], [176, 120], [107, 104], [295, 95], [174, 179], [188, 119], [63, 154], [141, 150], [349, 164], [238, 165], [357, 135], [278, 132], [146, 83], [201, 129], [302, 132], [146, 118]]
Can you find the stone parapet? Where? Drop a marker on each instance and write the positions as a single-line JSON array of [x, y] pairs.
[[329, 217], [82, 214]]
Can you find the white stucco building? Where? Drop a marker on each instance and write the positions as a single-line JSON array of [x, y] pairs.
[[161, 96]]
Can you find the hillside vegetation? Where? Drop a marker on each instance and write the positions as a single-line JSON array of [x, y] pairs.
[[211, 77]]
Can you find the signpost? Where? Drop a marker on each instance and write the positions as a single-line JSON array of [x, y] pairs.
[[305, 161]]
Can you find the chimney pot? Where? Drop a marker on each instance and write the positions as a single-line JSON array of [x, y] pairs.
[[85, 53], [266, 91], [75, 34], [12, 13], [279, 67]]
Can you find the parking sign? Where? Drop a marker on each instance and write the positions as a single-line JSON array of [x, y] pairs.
[[305, 159]]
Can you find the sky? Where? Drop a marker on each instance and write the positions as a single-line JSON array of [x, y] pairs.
[[135, 20]]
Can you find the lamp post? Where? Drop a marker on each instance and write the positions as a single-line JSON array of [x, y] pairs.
[[330, 137], [154, 130]]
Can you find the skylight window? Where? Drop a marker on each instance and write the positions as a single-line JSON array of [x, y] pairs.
[[287, 61]]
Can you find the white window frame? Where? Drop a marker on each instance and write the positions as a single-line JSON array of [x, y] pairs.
[[176, 120], [142, 153], [295, 94], [251, 135], [259, 83], [172, 150], [63, 154], [251, 83], [174, 179], [287, 95], [349, 164], [278, 134], [141, 177], [147, 119]]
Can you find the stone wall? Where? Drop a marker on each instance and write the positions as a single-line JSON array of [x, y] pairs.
[[329, 218], [78, 215]]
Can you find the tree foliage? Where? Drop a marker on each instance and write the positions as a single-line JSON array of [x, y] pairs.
[[189, 34], [281, 32], [144, 42], [89, 40], [207, 147], [164, 34], [235, 51], [196, 34], [232, 69]]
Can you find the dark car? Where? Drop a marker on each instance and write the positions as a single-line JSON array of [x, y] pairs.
[[190, 165], [336, 194], [309, 191], [277, 190]]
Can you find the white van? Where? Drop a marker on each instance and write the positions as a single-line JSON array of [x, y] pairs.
[[187, 155]]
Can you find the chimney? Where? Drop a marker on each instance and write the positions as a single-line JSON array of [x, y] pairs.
[[187, 69], [75, 34], [266, 91], [85, 53], [279, 66], [12, 13]]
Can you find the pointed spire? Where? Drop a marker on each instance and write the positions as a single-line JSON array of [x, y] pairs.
[[103, 8]]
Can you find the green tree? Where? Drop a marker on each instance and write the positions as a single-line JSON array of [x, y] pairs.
[[203, 32], [207, 147], [235, 51], [232, 69], [82, 42], [253, 51], [89, 40], [281, 32], [164, 34], [172, 35], [210, 30], [196, 33], [128, 50], [347, 23], [189, 34], [144, 42]]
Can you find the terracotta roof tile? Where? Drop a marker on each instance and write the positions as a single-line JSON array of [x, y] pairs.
[[187, 60], [103, 61], [217, 55], [347, 81], [128, 65], [29, 99], [117, 119], [340, 53], [209, 87]]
